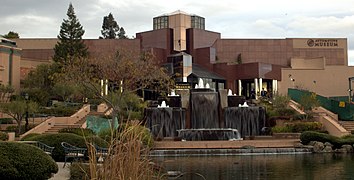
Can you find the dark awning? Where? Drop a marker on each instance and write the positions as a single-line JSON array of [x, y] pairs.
[[200, 72]]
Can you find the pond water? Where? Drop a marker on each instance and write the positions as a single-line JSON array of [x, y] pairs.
[[276, 166]]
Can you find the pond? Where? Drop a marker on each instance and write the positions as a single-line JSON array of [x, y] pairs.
[[276, 166]]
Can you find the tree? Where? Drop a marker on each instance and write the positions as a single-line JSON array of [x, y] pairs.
[[125, 72], [5, 92], [40, 82], [308, 102], [65, 90], [70, 44], [239, 59], [17, 109], [121, 34], [110, 28], [11, 35]]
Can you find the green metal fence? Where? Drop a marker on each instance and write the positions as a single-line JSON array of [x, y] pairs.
[[337, 105]]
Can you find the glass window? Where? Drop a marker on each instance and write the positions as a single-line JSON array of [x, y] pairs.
[[197, 22], [160, 22]]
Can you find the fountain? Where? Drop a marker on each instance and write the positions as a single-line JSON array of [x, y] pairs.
[[164, 121], [202, 116], [209, 134], [248, 120]]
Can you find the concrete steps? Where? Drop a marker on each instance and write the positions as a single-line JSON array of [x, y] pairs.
[[91, 113], [55, 129], [348, 125]]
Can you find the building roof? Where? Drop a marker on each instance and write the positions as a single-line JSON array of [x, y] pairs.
[[7, 41], [204, 73]]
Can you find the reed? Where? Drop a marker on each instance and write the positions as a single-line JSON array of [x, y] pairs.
[[127, 157]]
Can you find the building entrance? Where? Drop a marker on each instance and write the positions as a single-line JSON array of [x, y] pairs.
[[252, 88]]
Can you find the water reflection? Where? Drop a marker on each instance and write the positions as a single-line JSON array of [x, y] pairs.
[[298, 166]]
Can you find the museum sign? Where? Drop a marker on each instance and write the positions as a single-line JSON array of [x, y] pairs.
[[322, 43]]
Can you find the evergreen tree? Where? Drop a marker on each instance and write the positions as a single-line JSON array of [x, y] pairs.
[[110, 27], [11, 35], [70, 45], [121, 34]]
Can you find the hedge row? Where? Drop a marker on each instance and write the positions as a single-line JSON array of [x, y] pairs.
[[55, 140], [298, 127], [78, 131], [23, 161], [6, 121], [3, 136], [308, 136]]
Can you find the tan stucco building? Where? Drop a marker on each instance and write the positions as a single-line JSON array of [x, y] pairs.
[[10, 57], [180, 42]]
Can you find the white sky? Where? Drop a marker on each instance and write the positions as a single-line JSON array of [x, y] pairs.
[[232, 18]]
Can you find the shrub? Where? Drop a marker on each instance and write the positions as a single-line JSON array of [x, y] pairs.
[[106, 134], [285, 111], [29, 136], [78, 131], [59, 111], [308, 136], [23, 161], [298, 127], [4, 136], [15, 129], [56, 139], [346, 140], [79, 171], [302, 116], [280, 101], [281, 129], [306, 126], [139, 131], [128, 157], [6, 120]]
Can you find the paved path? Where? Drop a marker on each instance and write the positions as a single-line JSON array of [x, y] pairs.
[[273, 143], [63, 173]]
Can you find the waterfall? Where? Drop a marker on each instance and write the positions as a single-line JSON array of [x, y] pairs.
[[164, 122], [248, 120], [204, 110]]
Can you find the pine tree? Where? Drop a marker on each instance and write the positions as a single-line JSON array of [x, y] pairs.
[[121, 34], [110, 27], [70, 45]]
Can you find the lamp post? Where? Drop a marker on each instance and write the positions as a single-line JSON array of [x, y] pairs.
[[26, 117]]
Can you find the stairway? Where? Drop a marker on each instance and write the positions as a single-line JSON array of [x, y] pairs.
[[55, 129], [348, 125]]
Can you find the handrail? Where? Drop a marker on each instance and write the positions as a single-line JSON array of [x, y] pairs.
[[50, 122]]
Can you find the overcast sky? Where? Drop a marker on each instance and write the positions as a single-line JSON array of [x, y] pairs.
[[232, 18]]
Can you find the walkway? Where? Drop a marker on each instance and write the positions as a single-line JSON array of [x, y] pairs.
[[63, 173], [272, 143]]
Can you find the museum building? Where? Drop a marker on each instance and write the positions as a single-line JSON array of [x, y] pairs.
[[180, 42]]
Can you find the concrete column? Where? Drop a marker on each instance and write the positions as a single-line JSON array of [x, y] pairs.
[[239, 87], [260, 85], [106, 87], [101, 87], [121, 86], [256, 87], [275, 86]]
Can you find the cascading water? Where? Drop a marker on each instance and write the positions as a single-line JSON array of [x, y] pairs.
[[204, 110], [164, 122], [209, 134], [204, 119], [248, 120]]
